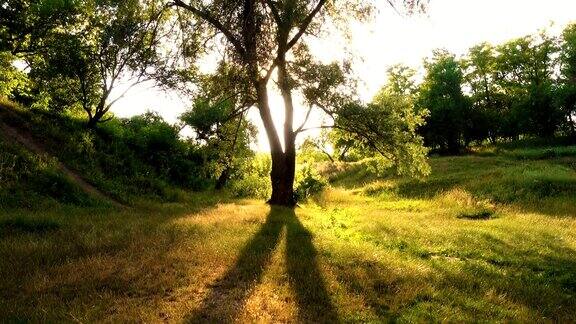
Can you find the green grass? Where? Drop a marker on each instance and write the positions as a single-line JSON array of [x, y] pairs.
[[484, 238]]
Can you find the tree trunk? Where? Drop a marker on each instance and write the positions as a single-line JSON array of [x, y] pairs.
[[283, 164], [92, 122], [94, 119], [223, 179], [282, 177]]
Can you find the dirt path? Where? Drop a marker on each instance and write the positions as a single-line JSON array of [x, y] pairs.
[[28, 142]]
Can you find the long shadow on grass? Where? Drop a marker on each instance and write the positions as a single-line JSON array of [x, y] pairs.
[[229, 294], [137, 243]]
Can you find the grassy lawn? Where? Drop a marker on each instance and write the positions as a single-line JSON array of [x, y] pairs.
[[489, 237]]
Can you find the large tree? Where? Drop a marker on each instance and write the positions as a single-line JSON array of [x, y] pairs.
[[265, 36]]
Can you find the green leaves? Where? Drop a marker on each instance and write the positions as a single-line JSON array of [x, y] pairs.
[[441, 94], [388, 125]]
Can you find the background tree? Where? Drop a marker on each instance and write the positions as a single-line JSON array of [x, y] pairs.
[[525, 70], [480, 76], [218, 119], [567, 86], [112, 41], [266, 36], [390, 119], [441, 94]]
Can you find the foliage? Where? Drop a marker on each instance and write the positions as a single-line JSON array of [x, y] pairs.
[[255, 179], [566, 94], [441, 94], [25, 25], [388, 125], [130, 159], [308, 182], [12, 81], [30, 181]]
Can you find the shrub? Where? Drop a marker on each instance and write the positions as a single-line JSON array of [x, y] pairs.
[[251, 186], [308, 182], [254, 179]]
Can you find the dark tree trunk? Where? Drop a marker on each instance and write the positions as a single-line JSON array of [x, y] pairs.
[[282, 177], [223, 179], [92, 122], [94, 119], [283, 163]]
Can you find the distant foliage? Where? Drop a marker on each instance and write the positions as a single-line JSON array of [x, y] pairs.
[[441, 94], [523, 88], [388, 125]]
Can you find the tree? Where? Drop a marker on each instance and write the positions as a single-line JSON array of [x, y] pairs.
[[567, 88], [525, 68], [266, 36], [441, 94], [218, 119], [112, 40], [390, 119], [480, 76]]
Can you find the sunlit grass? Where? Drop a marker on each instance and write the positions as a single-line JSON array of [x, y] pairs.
[[383, 249]]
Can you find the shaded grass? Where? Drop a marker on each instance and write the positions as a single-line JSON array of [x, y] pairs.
[[27, 225]]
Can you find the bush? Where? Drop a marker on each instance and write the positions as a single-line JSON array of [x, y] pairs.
[[254, 181], [251, 186], [308, 183]]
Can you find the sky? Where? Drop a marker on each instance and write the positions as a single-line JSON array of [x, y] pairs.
[[389, 39]]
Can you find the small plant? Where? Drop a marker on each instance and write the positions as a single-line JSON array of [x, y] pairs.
[[251, 186]]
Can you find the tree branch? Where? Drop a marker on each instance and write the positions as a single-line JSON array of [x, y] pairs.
[[299, 129], [274, 11], [214, 22], [305, 24]]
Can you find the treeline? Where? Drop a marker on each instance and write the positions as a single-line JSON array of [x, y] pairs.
[[523, 88]]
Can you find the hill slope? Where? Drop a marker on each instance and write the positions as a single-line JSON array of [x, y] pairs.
[[12, 136], [122, 162]]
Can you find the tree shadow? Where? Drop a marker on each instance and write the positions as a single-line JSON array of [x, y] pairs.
[[229, 294]]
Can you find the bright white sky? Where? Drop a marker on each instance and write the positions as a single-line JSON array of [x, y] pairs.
[[390, 39]]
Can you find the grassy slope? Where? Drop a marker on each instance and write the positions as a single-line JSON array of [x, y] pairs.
[[367, 250], [105, 161]]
